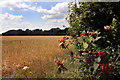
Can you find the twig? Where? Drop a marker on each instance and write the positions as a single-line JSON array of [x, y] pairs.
[[116, 59], [92, 52]]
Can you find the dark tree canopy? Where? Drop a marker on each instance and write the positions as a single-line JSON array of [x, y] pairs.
[[93, 15], [36, 32]]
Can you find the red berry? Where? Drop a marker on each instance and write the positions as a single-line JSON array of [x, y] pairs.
[[81, 58], [63, 40], [99, 52], [105, 68], [93, 34], [102, 54], [82, 34], [62, 44], [59, 64]]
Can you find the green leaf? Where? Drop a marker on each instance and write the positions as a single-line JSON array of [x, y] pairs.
[[67, 39], [59, 70], [62, 61], [97, 59], [64, 68], [95, 66], [64, 47], [84, 53], [94, 45], [71, 54], [85, 45], [91, 39], [80, 40], [60, 43], [97, 38], [118, 63]]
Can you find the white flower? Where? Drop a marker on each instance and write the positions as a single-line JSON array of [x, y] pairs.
[[25, 68], [108, 27]]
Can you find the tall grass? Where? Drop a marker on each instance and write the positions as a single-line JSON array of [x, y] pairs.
[[38, 53]]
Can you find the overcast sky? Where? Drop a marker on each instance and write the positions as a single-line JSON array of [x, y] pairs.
[[29, 14]]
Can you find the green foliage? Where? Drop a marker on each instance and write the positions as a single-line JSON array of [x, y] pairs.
[[95, 30]]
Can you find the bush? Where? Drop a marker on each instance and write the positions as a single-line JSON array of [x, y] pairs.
[[95, 30]]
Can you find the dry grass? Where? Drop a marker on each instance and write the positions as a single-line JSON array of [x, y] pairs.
[[38, 53]]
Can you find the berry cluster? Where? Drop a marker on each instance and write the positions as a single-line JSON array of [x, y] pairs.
[[62, 41], [81, 58], [82, 34], [59, 64], [105, 68], [92, 34], [102, 54]]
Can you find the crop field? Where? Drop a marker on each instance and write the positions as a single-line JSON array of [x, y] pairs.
[[38, 53]]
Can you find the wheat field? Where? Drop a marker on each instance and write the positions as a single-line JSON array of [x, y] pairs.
[[39, 53]]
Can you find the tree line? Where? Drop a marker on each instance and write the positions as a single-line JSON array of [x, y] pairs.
[[36, 32]]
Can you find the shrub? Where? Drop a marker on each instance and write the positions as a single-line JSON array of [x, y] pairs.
[[95, 30]]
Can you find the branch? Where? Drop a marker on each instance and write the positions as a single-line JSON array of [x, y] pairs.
[[116, 59]]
